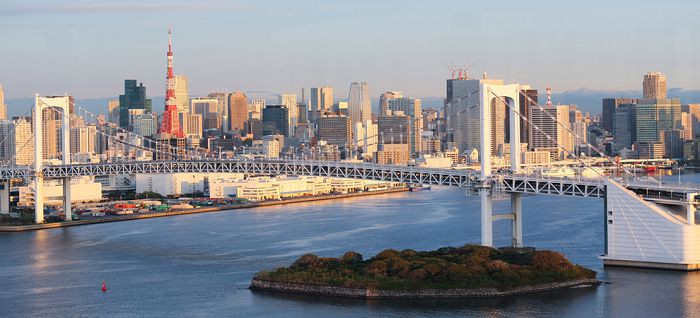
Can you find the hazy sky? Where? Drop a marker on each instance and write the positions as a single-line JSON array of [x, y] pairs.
[[87, 48]]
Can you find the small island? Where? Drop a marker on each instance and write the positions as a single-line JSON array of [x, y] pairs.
[[467, 271]]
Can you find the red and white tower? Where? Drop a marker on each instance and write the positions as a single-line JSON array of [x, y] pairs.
[[171, 122], [549, 96]]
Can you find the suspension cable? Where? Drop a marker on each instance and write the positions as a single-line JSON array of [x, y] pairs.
[[517, 112]]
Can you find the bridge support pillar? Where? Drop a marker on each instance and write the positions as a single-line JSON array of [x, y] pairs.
[[5, 197], [67, 200], [516, 208], [690, 209], [38, 161], [486, 217], [38, 199]]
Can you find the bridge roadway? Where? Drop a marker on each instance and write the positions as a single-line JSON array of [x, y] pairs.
[[468, 179]]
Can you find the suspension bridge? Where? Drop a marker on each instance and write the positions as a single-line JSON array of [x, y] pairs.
[[646, 225]]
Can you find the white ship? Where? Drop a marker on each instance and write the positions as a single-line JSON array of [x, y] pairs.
[[559, 172]]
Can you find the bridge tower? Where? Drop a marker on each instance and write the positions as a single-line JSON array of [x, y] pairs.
[[490, 95], [62, 105]]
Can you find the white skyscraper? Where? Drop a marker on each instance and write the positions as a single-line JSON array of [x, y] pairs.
[[366, 138], [221, 108], [359, 105], [182, 94], [290, 101], [321, 98], [82, 139], [17, 135], [3, 107], [255, 108]]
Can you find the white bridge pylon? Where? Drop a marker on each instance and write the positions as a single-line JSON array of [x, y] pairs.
[[63, 104], [490, 96]]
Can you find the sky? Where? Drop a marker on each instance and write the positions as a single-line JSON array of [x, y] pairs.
[[88, 48]]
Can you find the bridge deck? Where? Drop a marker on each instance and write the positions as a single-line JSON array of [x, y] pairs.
[[468, 179]]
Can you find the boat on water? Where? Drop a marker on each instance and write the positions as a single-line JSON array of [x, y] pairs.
[[591, 172], [418, 187], [559, 172]]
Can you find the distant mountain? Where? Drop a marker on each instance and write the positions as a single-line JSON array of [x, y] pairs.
[[589, 100]]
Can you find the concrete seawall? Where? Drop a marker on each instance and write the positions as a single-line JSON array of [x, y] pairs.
[[149, 215], [312, 289]]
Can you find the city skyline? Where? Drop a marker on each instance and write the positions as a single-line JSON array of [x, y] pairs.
[[553, 43]]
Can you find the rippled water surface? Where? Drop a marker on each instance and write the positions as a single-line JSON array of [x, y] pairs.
[[201, 265]]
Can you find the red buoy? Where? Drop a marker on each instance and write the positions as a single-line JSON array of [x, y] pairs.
[[104, 287]]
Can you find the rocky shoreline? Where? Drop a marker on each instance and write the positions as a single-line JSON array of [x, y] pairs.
[[337, 291]]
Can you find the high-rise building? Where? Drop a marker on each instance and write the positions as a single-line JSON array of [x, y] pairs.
[[542, 118], [624, 123], [335, 130], [221, 108], [462, 112], [145, 125], [51, 133], [303, 113], [656, 115], [254, 127], [553, 135], [326, 98], [255, 108], [366, 136], [688, 123], [411, 107], [134, 98], [3, 107], [83, 139], [113, 111], [694, 111], [209, 109], [290, 102], [17, 148], [275, 120], [321, 98], [609, 107], [359, 104], [673, 143], [564, 137], [191, 125], [528, 98], [654, 85], [6, 133], [384, 100], [182, 94], [238, 111], [394, 129]]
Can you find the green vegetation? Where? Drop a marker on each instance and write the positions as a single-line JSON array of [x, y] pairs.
[[148, 195], [466, 267]]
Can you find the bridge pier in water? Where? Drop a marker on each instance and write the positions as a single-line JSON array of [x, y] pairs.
[[5, 197]]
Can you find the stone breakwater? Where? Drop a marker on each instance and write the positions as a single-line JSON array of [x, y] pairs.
[[299, 288]]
